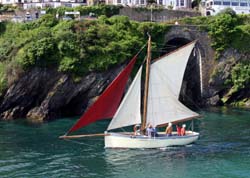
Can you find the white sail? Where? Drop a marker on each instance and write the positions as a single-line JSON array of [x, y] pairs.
[[128, 112], [165, 82]]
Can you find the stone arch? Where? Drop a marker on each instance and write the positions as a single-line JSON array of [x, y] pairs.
[[180, 35]]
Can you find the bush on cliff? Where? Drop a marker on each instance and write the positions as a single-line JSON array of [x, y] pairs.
[[3, 81], [75, 47], [221, 29], [226, 29], [241, 38], [240, 77]]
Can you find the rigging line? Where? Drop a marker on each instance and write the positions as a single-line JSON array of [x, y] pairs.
[[167, 47], [162, 49], [123, 129], [190, 125], [142, 48], [159, 50], [134, 56], [81, 143], [164, 44]]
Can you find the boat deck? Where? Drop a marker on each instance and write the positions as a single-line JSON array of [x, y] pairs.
[[158, 136]]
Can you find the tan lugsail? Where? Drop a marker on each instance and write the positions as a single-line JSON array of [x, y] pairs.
[[165, 80], [128, 112]]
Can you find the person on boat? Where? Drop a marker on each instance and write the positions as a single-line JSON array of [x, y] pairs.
[[169, 129], [178, 129], [183, 130], [137, 130], [151, 131]]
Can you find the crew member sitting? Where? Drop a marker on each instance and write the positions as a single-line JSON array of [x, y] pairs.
[[178, 128], [169, 129], [183, 130], [137, 130], [150, 131]]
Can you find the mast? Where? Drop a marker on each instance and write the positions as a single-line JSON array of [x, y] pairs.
[[145, 101]]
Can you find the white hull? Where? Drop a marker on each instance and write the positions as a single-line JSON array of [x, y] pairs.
[[128, 140]]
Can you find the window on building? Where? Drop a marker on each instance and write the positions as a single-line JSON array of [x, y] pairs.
[[234, 3], [177, 2], [226, 3], [182, 3], [142, 1], [160, 2], [243, 3], [217, 2], [119, 1], [66, 5], [211, 3]]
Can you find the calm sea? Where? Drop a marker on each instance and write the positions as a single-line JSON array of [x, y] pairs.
[[33, 150]]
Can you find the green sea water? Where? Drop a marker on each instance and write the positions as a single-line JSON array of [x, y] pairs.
[[33, 150]]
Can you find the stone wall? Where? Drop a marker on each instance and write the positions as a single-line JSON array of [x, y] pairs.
[[158, 15]]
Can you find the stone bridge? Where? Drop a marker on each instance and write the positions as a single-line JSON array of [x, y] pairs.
[[201, 62]]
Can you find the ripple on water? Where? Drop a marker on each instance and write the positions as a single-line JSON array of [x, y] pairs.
[[220, 152]]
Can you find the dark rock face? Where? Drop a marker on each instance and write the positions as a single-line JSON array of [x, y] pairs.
[[27, 92], [214, 101], [217, 83], [45, 94]]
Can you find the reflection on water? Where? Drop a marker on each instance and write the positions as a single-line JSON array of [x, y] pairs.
[[223, 150]]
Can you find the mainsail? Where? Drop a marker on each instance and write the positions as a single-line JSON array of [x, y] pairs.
[[129, 111], [166, 75], [108, 102]]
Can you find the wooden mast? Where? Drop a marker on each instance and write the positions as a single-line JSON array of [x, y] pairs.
[[145, 102]]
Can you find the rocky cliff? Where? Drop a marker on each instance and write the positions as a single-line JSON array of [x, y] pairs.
[[45, 94], [221, 90]]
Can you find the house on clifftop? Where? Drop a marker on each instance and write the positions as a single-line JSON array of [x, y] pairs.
[[167, 4]]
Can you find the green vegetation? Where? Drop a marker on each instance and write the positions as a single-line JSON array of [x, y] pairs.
[[226, 29], [78, 47], [240, 77], [3, 81], [7, 8], [74, 47]]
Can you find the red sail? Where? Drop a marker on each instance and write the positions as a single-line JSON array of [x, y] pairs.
[[108, 102]]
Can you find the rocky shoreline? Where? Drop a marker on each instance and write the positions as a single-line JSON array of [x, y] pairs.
[[46, 94], [219, 91]]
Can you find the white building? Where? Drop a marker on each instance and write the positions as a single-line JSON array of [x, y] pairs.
[[9, 2], [174, 4], [27, 4], [215, 6]]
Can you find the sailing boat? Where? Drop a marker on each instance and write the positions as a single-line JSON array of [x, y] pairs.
[[160, 103]]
